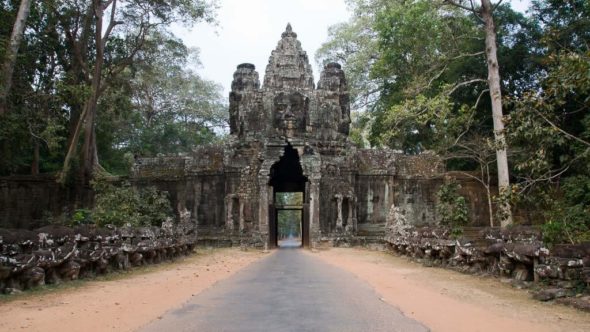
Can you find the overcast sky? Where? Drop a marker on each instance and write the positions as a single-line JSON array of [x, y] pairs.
[[250, 29]]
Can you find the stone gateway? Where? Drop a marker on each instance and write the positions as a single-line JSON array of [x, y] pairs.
[[288, 135]]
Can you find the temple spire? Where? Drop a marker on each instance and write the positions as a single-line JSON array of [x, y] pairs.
[[288, 66], [289, 32]]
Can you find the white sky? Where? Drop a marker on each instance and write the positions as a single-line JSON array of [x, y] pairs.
[[250, 29]]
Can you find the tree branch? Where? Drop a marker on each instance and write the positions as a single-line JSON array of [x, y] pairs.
[[548, 176], [453, 3], [437, 76], [139, 41], [107, 4], [466, 83], [467, 55], [471, 117], [559, 129], [112, 22], [471, 9], [497, 5]]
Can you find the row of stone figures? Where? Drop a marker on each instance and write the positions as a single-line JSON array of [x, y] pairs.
[[52, 254], [517, 253]]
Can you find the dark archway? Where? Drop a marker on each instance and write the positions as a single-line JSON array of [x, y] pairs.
[[286, 176]]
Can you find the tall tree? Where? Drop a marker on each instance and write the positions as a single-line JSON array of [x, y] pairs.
[[31, 132], [550, 125], [355, 45], [136, 19], [53, 85], [12, 51], [172, 108], [485, 12]]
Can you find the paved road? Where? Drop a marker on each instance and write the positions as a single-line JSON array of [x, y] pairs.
[[287, 291], [290, 242]]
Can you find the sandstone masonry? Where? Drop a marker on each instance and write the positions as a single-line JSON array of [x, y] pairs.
[[288, 135]]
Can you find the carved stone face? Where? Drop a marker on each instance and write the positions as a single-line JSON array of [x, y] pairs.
[[290, 111]]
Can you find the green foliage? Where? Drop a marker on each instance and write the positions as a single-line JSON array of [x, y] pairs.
[[54, 68], [452, 208], [506, 197], [433, 54], [289, 223], [568, 218], [566, 23], [81, 217], [551, 125], [418, 39], [423, 123], [154, 206], [119, 205], [354, 44], [554, 125], [395, 52], [567, 224], [169, 108], [419, 70]]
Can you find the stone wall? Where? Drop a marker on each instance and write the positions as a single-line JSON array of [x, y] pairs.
[[28, 201], [366, 184], [386, 179], [53, 254]]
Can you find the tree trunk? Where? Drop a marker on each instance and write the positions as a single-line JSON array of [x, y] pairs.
[[12, 51], [76, 73], [490, 208], [89, 156], [498, 117], [35, 163]]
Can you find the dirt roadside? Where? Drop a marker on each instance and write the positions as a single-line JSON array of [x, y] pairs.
[[123, 304], [441, 299], [446, 300]]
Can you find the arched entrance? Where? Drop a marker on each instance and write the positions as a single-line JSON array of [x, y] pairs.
[[288, 204]]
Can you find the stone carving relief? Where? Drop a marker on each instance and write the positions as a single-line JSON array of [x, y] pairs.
[[290, 113]]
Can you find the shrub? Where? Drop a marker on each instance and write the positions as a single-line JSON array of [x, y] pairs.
[[118, 205], [452, 208], [154, 206], [568, 219], [81, 217]]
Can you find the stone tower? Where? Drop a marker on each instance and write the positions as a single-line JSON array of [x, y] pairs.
[[288, 105]]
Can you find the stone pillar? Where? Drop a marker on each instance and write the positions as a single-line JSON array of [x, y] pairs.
[[197, 200], [181, 196], [314, 211], [229, 220], [339, 208], [241, 214], [349, 221], [263, 204], [354, 214]]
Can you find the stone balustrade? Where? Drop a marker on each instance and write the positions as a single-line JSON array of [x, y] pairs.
[[53, 254], [518, 254]]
